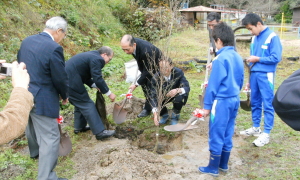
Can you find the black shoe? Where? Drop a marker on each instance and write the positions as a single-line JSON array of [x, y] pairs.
[[144, 113], [76, 131], [105, 134], [35, 157]]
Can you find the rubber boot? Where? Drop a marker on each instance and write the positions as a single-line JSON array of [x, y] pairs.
[[213, 166], [174, 118], [224, 161], [164, 118]]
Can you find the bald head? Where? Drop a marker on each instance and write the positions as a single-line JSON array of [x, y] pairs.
[[128, 44], [165, 66]]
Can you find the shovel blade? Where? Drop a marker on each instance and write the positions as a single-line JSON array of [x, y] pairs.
[[65, 145], [179, 127], [245, 105], [119, 114], [101, 108]]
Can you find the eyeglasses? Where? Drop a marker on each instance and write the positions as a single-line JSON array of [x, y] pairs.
[[109, 58], [64, 33]]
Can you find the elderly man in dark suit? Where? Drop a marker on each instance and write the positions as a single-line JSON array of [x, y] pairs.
[[85, 68], [146, 55], [45, 64], [168, 85]]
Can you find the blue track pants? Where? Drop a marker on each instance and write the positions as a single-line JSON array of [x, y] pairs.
[[221, 124], [262, 94]]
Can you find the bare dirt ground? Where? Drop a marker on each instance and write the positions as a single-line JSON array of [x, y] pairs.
[[117, 159], [294, 43], [125, 159]]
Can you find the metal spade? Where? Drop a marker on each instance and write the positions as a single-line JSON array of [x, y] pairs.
[[101, 108], [209, 57], [246, 104], [181, 126], [65, 144], [119, 113]]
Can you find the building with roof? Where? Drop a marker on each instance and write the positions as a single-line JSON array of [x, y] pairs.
[[229, 15], [296, 16], [196, 15]]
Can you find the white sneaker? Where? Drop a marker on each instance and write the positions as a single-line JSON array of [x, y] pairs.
[[253, 131], [262, 140]]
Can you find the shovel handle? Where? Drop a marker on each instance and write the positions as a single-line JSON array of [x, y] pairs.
[[129, 91], [60, 131]]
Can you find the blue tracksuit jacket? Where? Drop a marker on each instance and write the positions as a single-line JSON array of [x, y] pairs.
[[226, 78], [222, 98], [268, 47]]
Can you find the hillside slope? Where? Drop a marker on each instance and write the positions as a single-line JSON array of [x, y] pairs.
[[90, 23]]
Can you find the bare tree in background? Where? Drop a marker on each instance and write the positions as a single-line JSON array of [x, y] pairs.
[[265, 6]]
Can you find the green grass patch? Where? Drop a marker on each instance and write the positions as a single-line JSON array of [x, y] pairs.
[[17, 166]]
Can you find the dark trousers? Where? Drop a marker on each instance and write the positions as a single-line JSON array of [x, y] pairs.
[[146, 90], [86, 112], [178, 102]]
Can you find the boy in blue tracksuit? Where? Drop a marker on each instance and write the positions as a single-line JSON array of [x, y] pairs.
[[265, 54], [221, 99]]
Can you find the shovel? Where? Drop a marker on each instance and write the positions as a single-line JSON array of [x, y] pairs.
[[119, 114], [65, 144], [181, 126], [209, 57], [190, 124], [101, 108], [246, 104]]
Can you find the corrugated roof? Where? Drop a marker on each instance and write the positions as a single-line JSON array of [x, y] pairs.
[[199, 9]]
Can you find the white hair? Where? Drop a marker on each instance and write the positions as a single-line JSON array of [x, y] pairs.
[[106, 50], [56, 23]]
